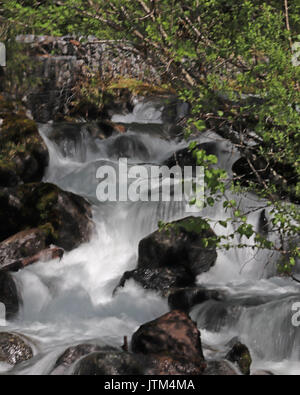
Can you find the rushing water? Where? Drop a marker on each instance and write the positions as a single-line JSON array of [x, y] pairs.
[[70, 302]]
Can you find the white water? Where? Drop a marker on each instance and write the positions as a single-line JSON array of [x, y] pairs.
[[70, 302]]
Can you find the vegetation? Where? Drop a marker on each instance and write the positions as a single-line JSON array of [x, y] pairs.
[[234, 62]]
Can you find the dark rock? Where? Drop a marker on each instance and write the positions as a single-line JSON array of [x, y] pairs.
[[185, 298], [110, 363], [180, 244], [9, 295], [45, 255], [73, 354], [23, 244], [13, 349], [174, 334], [161, 280], [127, 146], [170, 365], [25, 155], [240, 355], [219, 368], [63, 216], [173, 257]]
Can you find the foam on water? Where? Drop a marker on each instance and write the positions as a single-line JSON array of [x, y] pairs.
[[71, 301]]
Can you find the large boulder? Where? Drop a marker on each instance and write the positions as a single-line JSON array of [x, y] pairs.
[[65, 218], [172, 341], [188, 243], [9, 295], [23, 153], [174, 256], [14, 349]]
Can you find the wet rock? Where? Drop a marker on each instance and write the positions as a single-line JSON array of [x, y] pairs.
[[180, 244], [128, 147], [160, 280], [174, 334], [110, 363], [9, 295], [45, 255], [170, 365], [63, 216], [25, 155], [240, 355], [174, 256], [219, 368], [23, 244], [185, 298], [13, 349], [73, 354]]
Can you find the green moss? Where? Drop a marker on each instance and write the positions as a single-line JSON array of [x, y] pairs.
[[46, 202], [49, 231]]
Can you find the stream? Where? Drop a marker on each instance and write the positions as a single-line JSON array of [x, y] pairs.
[[71, 302]]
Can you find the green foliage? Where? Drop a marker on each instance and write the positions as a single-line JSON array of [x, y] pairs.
[[231, 60]]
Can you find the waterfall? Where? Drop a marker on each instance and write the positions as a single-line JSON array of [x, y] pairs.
[[71, 301]]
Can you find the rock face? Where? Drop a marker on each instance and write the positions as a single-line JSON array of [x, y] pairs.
[[25, 155], [173, 343], [240, 355], [9, 295], [13, 349], [173, 257], [63, 61], [63, 217]]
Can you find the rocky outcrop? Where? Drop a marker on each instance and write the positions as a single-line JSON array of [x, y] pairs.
[[169, 345], [174, 256], [63, 218], [9, 295], [173, 341], [24, 155], [62, 62], [13, 349]]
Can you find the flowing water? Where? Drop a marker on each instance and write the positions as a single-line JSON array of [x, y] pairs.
[[70, 302]]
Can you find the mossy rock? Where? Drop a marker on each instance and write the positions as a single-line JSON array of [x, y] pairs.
[[64, 217], [23, 153], [240, 355]]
